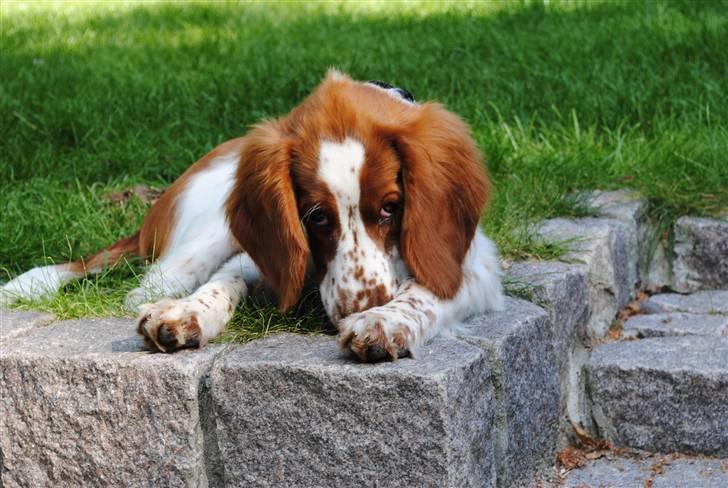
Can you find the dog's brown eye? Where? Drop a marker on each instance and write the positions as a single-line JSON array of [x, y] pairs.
[[318, 217], [388, 210]]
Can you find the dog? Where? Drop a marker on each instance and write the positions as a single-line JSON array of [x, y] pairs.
[[376, 197]]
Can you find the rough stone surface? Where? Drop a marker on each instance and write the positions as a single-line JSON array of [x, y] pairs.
[[702, 302], [656, 471], [624, 205], [80, 405], [561, 289], [14, 323], [676, 323], [629, 208], [602, 245], [654, 268], [691, 472], [613, 473], [701, 254], [293, 411], [663, 394], [518, 343]]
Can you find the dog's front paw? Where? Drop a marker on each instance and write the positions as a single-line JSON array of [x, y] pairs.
[[375, 335], [169, 325]]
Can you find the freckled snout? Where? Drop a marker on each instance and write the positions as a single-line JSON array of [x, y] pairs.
[[368, 295]]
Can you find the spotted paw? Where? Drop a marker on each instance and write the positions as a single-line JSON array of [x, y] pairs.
[[168, 325], [373, 336]]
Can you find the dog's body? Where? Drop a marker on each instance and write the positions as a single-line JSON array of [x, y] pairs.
[[374, 196]]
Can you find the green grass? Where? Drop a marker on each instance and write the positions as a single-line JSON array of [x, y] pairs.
[[96, 97]]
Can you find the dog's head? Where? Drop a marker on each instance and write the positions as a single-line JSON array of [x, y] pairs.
[[367, 186]]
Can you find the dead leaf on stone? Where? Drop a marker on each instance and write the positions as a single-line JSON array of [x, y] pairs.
[[658, 467], [571, 458], [592, 455], [142, 192], [615, 330], [630, 310], [589, 441]]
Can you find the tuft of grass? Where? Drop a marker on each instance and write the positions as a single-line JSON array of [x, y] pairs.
[[562, 97], [258, 317]]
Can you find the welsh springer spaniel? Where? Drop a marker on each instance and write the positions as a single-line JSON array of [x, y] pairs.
[[376, 197]]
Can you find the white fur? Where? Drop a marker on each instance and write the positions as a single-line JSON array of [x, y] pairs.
[[425, 315], [340, 166], [201, 240], [40, 282], [211, 306]]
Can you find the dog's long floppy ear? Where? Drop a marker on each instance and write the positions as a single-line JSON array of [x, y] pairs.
[[445, 191], [263, 214]]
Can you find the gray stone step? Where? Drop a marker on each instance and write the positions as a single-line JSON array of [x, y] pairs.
[[292, 410], [14, 323], [518, 344], [656, 471], [676, 323], [709, 301], [607, 249], [561, 289], [663, 394], [701, 254], [80, 405]]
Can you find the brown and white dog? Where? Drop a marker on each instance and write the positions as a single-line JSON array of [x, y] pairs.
[[376, 197]]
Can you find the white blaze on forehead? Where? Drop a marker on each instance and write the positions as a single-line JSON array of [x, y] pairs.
[[340, 166], [359, 265]]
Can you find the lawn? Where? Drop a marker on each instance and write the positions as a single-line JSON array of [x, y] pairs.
[[99, 97]]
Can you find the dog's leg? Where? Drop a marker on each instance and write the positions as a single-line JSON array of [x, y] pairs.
[[170, 324], [183, 268], [415, 314]]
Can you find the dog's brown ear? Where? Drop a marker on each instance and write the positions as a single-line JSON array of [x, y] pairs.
[[263, 214], [445, 191]]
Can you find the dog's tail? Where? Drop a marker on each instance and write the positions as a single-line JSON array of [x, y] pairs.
[[46, 280], [109, 256]]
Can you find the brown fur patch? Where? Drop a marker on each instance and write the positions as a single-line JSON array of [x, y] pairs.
[[158, 224], [263, 211]]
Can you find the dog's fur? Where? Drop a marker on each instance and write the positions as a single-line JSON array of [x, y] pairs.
[[376, 197]]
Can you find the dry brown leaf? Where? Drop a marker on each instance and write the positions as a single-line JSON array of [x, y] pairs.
[[630, 310], [142, 192], [571, 458], [589, 441], [614, 333], [595, 455]]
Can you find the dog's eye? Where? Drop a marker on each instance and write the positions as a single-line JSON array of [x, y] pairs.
[[388, 210], [318, 217]]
